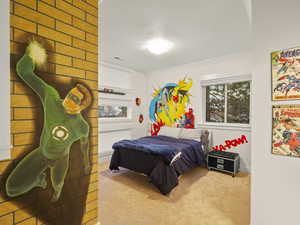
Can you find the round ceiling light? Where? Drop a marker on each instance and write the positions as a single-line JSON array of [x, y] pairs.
[[158, 46]]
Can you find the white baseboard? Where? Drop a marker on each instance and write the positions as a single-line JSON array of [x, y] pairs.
[[105, 158]]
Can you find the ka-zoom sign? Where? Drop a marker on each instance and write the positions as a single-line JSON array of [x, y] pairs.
[[231, 143]]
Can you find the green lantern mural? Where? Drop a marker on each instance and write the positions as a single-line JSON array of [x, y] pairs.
[[63, 125]]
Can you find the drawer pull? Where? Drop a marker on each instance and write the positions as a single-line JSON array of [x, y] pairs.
[[220, 161], [219, 166]]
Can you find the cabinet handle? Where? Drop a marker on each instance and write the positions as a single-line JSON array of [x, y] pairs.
[[220, 161], [219, 166]]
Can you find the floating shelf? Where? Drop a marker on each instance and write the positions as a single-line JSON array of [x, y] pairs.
[[112, 92]]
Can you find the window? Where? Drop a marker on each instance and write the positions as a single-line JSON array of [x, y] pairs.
[[111, 111], [228, 102]]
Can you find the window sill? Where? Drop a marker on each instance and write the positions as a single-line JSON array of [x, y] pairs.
[[225, 126]]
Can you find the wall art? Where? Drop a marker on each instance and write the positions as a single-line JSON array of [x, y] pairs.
[[286, 130], [286, 74], [170, 106]]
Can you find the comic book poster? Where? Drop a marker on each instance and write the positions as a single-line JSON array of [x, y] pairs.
[[286, 130], [286, 74]]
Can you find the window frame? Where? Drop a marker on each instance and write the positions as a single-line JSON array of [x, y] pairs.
[[224, 79]]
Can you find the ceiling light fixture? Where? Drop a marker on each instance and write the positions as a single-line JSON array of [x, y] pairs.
[[158, 46]]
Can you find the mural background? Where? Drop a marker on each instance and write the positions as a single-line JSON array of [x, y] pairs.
[[69, 31], [170, 106]]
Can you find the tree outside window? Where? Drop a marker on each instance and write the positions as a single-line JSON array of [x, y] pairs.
[[228, 103]]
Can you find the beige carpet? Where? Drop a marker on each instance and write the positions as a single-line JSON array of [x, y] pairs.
[[202, 198]]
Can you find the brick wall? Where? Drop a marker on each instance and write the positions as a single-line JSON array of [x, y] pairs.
[[69, 29]]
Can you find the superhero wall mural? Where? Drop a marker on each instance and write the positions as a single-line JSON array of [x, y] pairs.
[[50, 180], [171, 106]]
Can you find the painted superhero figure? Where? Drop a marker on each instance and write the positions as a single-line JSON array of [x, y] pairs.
[[63, 125]]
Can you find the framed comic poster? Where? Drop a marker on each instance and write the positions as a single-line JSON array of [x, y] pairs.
[[286, 130], [286, 74]]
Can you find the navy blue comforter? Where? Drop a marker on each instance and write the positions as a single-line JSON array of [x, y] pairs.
[[166, 147]]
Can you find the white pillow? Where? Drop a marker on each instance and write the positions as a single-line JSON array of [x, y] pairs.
[[170, 131], [191, 134]]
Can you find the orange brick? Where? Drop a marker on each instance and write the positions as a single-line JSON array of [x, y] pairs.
[[64, 70], [24, 139], [92, 19], [90, 215], [93, 113], [23, 101], [93, 2], [11, 6], [93, 141], [24, 113], [34, 16], [85, 46], [93, 177], [60, 59], [7, 207], [63, 80], [3, 166], [55, 13], [70, 9], [50, 2], [67, 50], [92, 38], [70, 30], [92, 222], [93, 122], [18, 151], [86, 7], [15, 48], [23, 24], [91, 75], [21, 126], [28, 3], [22, 88], [85, 26], [7, 219], [24, 37], [91, 205], [22, 215], [54, 35], [92, 196], [92, 57], [95, 159], [85, 65], [11, 33], [31, 221]]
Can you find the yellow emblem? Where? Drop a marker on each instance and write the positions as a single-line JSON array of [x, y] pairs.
[[60, 133]]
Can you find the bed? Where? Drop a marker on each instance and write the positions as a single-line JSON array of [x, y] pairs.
[[162, 158]]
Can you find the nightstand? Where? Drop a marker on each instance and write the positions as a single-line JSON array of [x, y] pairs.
[[228, 162]]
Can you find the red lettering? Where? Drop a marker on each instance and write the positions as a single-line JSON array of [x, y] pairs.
[[216, 148], [222, 148], [242, 140], [228, 144], [234, 143]]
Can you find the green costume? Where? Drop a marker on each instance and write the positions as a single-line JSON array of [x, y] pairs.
[[60, 131]]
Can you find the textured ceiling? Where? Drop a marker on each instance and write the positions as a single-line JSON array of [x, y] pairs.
[[199, 30]]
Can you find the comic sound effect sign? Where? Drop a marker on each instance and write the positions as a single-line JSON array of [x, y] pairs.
[[231, 143]]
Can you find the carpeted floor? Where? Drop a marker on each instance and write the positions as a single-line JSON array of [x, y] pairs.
[[202, 198]]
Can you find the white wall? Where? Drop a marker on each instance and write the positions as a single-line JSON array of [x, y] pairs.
[[134, 85], [4, 82], [230, 65], [275, 179]]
